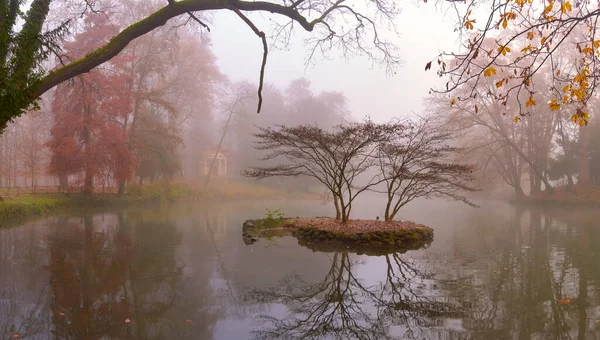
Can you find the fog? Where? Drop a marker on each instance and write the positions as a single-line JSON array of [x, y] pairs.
[[179, 103]]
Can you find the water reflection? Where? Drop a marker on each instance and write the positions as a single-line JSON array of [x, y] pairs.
[[183, 272], [343, 306]]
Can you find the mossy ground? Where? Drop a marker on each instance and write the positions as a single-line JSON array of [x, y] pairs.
[[359, 236]]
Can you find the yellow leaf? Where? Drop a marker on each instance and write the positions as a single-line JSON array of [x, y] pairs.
[[554, 106], [530, 102], [526, 49], [499, 83], [547, 9], [517, 119], [453, 101], [503, 49], [566, 88], [574, 118], [565, 7], [504, 23], [488, 72], [582, 122], [530, 35]]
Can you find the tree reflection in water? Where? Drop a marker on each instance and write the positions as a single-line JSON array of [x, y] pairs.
[[340, 306]]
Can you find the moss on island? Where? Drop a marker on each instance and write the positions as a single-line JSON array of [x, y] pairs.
[[326, 234]]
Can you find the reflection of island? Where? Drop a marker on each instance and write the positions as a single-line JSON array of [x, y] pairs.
[[341, 306]]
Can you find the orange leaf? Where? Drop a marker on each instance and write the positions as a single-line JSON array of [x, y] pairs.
[[188, 321], [554, 106], [530, 102], [565, 7], [489, 71], [127, 321], [453, 101], [16, 336], [565, 301], [499, 83]]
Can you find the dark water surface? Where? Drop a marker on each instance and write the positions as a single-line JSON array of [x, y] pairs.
[[183, 272]]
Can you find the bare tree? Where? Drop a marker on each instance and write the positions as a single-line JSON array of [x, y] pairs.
[[336, 158], [417, 163]]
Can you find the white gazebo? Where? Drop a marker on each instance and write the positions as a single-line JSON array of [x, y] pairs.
[[219, 165]]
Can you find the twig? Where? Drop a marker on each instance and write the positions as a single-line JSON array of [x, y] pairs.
[[262, 35]]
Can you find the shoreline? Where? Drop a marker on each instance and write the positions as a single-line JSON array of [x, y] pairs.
[[20, 208], [370, 237]]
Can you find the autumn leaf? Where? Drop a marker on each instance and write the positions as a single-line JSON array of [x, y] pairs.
[[566, 88], [547, 9], [517, 119], [504, 23], [574, 118], [565, 7], [188, 321], [530, 102], [469, 24], [530, 35], [489, 72], [453, 101], [503, 49], [127, 321], [499, 83], [428, 66], [16, 336], [554, 106], [565, 301], [526, 49]]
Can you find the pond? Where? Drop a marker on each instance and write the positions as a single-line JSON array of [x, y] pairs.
[[184, 272]]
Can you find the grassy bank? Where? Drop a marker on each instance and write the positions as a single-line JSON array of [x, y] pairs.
[[567, 196], [158, 192], [27, 206]]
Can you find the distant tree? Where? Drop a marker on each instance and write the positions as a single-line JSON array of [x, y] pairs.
[[418, 162], [336, 158], [32, 151], [87, 138]]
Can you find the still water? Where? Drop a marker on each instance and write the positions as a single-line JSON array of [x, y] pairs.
[[183, 272]]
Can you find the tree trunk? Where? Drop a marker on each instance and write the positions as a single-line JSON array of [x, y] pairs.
[[63, 181], [336, 203], [389, 216], [121, 189], [519, 193], [584, 157]]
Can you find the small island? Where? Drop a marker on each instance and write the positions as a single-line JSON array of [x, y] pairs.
[[372, 237], [400, 161]]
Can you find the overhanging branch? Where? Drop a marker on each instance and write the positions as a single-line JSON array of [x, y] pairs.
[[263, 37]]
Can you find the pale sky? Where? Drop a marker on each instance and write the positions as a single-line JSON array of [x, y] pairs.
[[425, 31]]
